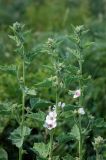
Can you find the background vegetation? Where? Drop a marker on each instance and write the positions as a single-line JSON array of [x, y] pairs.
[[45, 18]]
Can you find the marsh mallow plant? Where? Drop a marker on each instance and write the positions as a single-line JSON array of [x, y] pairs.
[[63, 122]]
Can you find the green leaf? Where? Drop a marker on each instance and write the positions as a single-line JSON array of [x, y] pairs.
[[18, 137], [72, 69], [5, 108], [68, 157], [99, 123], [75, 132], [16, 39], [39, 158], [39, 103], [79, 28], [45, 83], [64, 138], [40, 116], [8, 68], [74, 52], [70, 107], [3, 154], [18, 33], [72, 78], [56, 158], [42, 149], [88, 44], [29, 91], [73, 38], [17, 26], [67, 115]]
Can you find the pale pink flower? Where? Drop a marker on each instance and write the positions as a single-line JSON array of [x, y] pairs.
[[50, 121], [53, 114], [77, 93], [50, 125]]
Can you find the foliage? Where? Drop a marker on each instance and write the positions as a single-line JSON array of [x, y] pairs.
[[36, 74], [3, 154], [17, 137]]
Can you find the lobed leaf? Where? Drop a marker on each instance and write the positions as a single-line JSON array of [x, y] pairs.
[[39, 103], [17, 136], [42, 149], [40, 116], [75, 132]]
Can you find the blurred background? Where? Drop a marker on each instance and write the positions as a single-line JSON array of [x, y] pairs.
[[44, 17]]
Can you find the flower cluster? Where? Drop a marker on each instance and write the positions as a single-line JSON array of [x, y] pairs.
[[98, 142], [50, 43], [54, 80], [50, 121], [59, 66]]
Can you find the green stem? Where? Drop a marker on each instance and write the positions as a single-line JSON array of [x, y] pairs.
[[51, 133], [80, 85], [23, 96], [20, 153], [57, 89], [57, 99], [23, 107], [80, 141], [80, 104], [97, 155], [51, 145]]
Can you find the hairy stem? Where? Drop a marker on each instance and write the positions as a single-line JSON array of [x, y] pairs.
[[20, 153], [51, 145], [80, 104], [57, 99], [80, 141], [97, 155], [23, 107]]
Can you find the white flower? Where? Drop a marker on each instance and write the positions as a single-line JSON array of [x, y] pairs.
[[60, 104], [50, 121], [63, 105], [81, 111], [52, 114], [50, 125], [77, 93]]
